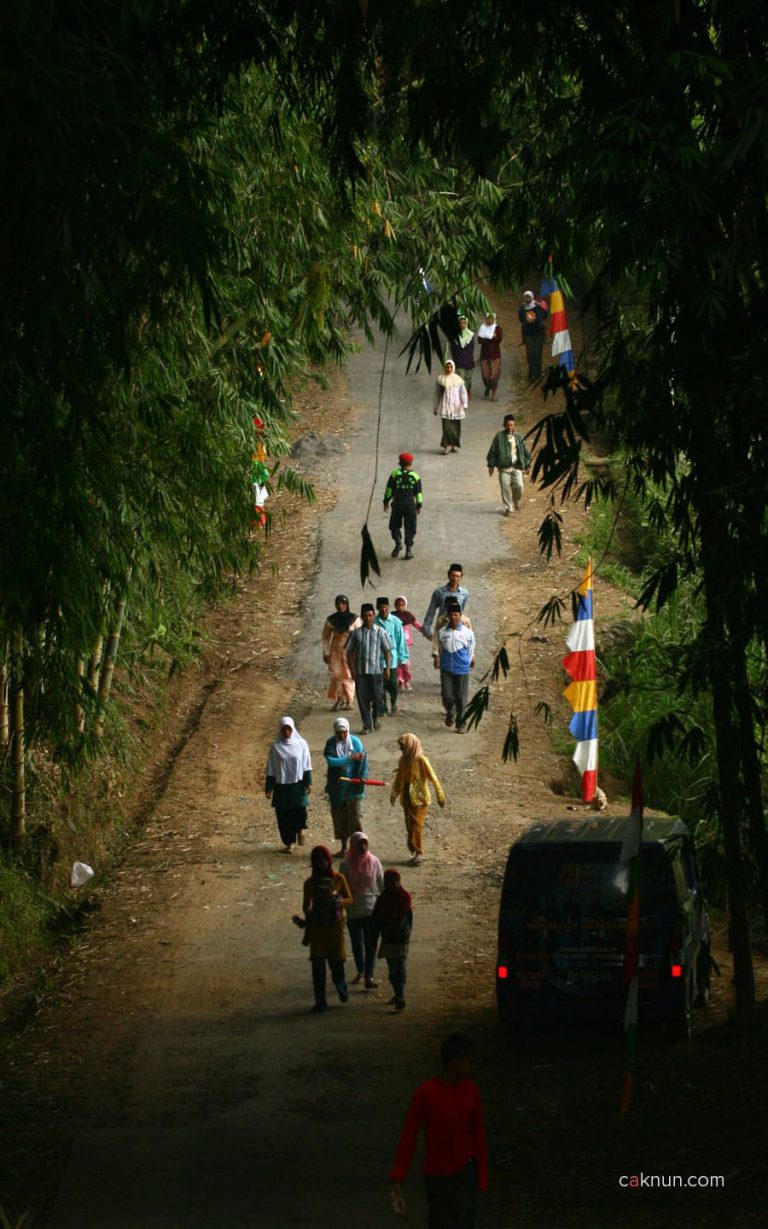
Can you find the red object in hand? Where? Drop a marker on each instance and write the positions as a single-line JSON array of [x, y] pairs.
[[362, 781]]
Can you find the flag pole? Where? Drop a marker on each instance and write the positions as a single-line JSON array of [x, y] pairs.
[[581, 692], [630, 854]]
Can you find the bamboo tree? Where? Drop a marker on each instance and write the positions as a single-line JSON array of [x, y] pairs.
[[94, 664], [108, 666], [18, 759], [79, 710], [5, 725]]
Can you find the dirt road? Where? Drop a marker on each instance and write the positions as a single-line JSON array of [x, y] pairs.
[[189, 1085]]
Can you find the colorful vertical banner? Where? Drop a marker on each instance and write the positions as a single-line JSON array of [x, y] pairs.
[[582, 692], [562, 349], [630, 857]]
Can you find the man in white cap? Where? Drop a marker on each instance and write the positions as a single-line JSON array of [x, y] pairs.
[[345, 756], [532, 316]]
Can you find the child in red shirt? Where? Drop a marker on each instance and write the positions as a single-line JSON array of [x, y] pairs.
[[449, 1111]]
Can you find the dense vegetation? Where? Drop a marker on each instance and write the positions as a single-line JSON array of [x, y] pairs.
[[202, 198], [179, 253]]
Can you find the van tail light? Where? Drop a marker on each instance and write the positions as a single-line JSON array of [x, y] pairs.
[[676, 956], [502, 972]]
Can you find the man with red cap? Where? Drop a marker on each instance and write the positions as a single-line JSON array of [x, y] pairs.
[[404, 493]]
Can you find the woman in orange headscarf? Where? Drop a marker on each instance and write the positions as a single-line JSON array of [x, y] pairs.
[[412, 778]]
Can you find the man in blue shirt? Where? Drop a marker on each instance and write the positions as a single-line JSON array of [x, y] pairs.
[[396, 636], [369, 652], [455, 657], [454, 589]]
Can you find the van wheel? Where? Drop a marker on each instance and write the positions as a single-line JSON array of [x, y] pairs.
[[703, 967]]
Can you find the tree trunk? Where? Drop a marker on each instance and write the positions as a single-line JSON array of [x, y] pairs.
[[94, 665], [79, 710], [108, 667], [19, 805], [5, 716], [753, 788], [726, 665]]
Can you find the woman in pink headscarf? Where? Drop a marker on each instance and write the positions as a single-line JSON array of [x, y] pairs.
[[365, 875]]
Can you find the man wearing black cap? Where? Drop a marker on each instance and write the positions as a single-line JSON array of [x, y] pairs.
[[369, 653], [404, 493], [454, 657], [396, 636]]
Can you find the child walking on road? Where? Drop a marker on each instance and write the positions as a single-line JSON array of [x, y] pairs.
[[408, 620], [392, 922], [449, 1112]]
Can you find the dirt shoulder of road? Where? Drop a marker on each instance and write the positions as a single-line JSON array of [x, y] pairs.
[[48, 1075]]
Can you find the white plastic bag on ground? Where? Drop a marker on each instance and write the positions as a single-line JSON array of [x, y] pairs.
[[81, 873]]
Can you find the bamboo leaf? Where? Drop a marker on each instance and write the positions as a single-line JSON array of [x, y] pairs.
[[511, 750], [368, 559], [500, 664]]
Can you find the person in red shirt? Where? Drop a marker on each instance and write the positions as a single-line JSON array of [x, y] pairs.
[[449, 1112]]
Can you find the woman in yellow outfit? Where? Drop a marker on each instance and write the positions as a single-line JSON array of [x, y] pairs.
[[412, 778]]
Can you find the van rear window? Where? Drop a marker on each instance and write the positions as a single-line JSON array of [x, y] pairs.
[[574, 884]]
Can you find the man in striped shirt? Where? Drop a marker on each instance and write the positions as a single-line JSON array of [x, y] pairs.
[[367, 648]]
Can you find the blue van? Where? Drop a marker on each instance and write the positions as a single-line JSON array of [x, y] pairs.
[[562, 925]]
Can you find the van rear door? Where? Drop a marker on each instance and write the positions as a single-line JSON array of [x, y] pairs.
[[563, 918]]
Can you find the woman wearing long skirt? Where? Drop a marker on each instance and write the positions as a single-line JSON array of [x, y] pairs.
[[392, 922], [463, 353], [336, 633], [451, 404], [365, 875], [412, 778], [326, 896], [289, 782], [489, 335]]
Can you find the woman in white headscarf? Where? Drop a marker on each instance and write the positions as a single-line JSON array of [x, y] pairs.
[[489, 335], [289, 782], [451, 404]]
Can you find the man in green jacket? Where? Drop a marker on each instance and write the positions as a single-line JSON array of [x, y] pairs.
[[509, 454], [404, 493]]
